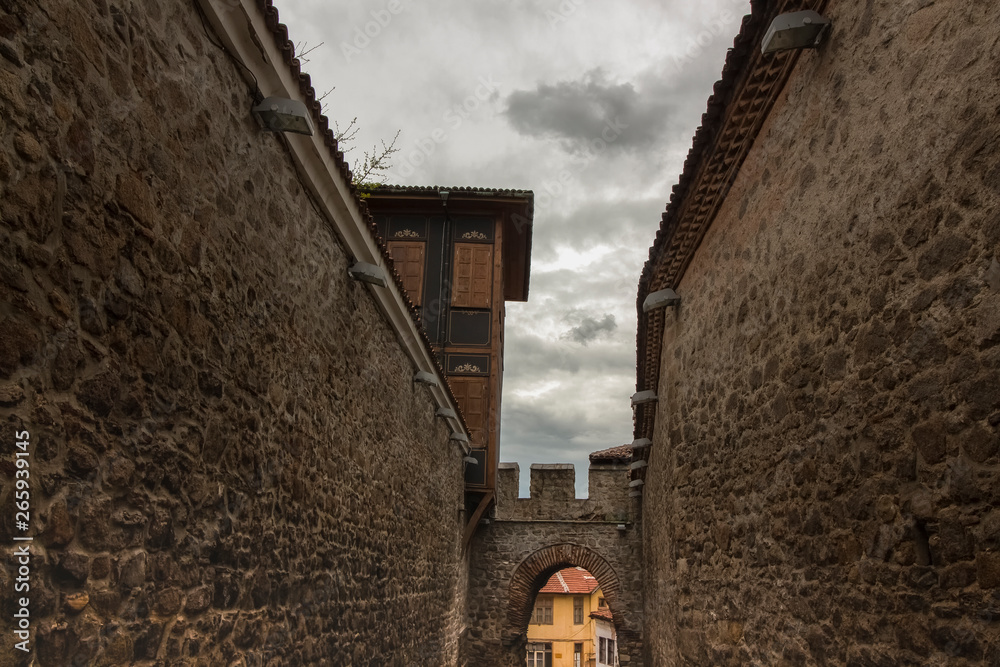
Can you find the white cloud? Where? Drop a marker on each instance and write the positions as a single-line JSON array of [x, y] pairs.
[[570, 351]]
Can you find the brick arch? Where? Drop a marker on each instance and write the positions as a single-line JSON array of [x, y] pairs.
[[537, 568]]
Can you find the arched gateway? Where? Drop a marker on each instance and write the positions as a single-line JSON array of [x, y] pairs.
[[530, 539], [536, 569]]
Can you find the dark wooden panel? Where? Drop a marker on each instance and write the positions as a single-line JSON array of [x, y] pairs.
[[475, 475], [434, 310], [473, 229], [405, 227], [468, 364], [469, 327]]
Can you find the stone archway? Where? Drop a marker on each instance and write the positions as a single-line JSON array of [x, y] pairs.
[[535, 570]]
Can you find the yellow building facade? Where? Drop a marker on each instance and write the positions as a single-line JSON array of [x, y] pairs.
[[562, 632]]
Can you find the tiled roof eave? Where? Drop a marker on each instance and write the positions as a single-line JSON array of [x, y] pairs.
[[741, 101]]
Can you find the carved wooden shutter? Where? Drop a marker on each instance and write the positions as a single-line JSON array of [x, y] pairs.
[[470, 392], [408, 258], [472, 284]]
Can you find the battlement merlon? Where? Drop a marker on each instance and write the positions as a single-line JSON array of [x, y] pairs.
[[508, 483], [553, 492], [553, 481]]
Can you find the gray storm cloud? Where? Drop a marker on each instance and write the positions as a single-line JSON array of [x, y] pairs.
[[591, 329], [581, 111]]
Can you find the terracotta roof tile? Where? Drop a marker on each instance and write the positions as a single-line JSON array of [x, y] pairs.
[[571, 581], [604, 614], [619, 453]]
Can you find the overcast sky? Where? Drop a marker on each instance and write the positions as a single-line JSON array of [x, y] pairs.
[[590, 104]]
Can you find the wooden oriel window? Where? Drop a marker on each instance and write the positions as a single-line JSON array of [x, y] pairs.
[[408, 258], [471, 286]]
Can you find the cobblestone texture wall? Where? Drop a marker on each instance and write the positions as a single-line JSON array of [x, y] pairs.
[[513, 557], [230, 462], [824, 481], [553, 493]]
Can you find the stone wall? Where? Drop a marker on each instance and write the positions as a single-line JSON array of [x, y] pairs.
[[553, 493], [531, 538], [230, 463], [824, 477]]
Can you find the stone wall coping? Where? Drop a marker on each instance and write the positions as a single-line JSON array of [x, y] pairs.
[[553, 466], [239, 23]]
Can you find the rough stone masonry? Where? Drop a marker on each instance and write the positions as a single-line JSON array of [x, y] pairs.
[[823, 484], [230, 462]]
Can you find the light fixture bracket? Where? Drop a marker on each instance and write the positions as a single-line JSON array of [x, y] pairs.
[[280, 114], [368, 273], [643, 397], [660, 299], [795, 30], [423, 377]]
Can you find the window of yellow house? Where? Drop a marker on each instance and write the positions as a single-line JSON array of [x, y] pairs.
[[542, 614], [578, 610], [540, 655]]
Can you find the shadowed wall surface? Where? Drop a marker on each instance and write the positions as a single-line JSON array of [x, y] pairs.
[[230, 462], [823, 477], [531, 538]]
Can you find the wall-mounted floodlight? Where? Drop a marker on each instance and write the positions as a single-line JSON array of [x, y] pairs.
[[279, 114], [621, 527], [661, 299], [642, 442], [423, 377], [643, 397], [635, 494], [471, 459], [368, 273], [637, 465], [795, 30], [447, 413], [458, 437], [636, 483]]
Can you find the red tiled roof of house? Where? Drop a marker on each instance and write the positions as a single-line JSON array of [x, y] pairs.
[[604, 614], [619, 453], [572, 580]]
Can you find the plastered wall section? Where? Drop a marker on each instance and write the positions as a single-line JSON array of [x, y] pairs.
[[229, 462], [824, 478]]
